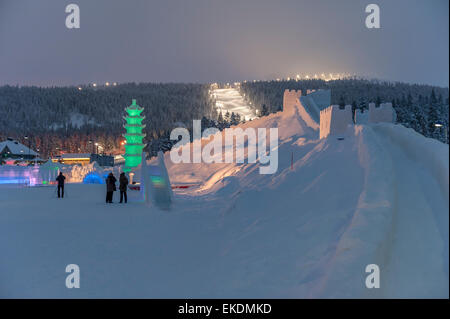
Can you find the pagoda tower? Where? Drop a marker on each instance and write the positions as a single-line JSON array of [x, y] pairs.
[[133, 136]]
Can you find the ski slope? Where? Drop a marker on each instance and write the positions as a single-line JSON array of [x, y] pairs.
[[231, 100], [380, 196]]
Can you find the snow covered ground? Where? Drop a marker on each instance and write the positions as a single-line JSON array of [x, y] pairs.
[[380, 196], [229, 99]]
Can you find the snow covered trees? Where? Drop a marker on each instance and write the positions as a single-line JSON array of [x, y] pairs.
[[65, 118], [421, 107]]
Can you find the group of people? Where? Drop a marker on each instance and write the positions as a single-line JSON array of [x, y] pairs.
[[110, 186]]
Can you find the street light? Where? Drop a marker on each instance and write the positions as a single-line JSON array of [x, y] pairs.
[[29, 145]]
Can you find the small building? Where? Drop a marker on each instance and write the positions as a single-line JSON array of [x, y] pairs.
[[12, 149], [72, 158], [83, 159]]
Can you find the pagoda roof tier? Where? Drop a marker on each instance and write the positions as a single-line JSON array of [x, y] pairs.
[[134, 134], [133, 117], [134, 125], [133, 155]]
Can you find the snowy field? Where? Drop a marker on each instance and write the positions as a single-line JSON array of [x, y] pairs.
[[229, 99], [380, 196]]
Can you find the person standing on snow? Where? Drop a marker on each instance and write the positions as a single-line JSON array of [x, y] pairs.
[[60, 179], [110, 187], [123, 180]]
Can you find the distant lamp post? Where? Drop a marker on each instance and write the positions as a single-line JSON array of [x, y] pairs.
[[441, 126], [29, 145]]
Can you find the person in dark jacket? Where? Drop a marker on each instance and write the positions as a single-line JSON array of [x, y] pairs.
[[123, 180], [60, 179], [110, 187]]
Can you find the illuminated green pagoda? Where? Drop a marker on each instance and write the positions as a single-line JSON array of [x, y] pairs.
[[133, 136]]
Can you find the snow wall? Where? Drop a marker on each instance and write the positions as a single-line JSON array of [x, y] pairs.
[[308, 106], [384, 113], [290, 99], [335, 121]]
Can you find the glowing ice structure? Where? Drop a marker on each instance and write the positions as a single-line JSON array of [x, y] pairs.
[[155, 183], [20, 175], [133, 136], [94, 178]]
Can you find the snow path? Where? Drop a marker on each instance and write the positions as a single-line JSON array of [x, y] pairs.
[[418, 258], [231, 100]]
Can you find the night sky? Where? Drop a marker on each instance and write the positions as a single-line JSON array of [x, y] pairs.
[[227, 40]]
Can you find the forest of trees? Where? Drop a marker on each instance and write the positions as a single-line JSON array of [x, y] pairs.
[[68, 118], [420, 107], [72, 119]]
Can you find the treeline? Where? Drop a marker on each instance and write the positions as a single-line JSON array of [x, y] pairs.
[[73, 119], [424, 108]]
